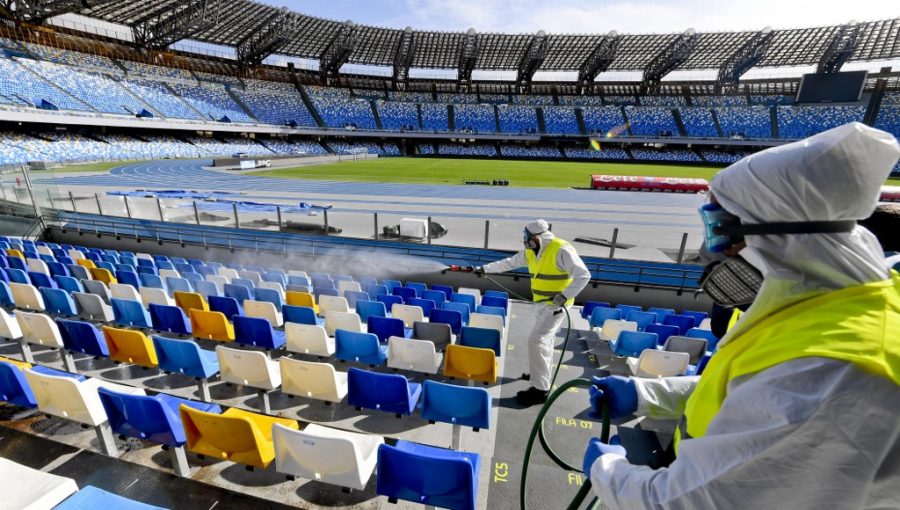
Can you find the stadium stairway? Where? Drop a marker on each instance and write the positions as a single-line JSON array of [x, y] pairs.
[[240, 102]]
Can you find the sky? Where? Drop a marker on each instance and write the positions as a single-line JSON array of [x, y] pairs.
[[596, 16]]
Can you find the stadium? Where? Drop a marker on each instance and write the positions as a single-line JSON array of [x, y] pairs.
[[257, 258]]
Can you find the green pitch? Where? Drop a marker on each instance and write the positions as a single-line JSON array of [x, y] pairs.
[[561, 174]]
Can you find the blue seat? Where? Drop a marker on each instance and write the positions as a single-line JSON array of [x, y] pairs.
[[629, 308], [391, 285], [483, 338], [111, 258], [462, 308], [299, 280], [589, 306], [385, 327], [129, 277], [352, 296], [125, 268], [269, 295], [492, 310], [632, 343], [184, 268], [367, 280], [154, 419], [17, 275], [17, 263], [445, 289], [682, 322], [428, 475], [375, 290], [152, 281], [464, 298], [599, 315], [237, 292], [451, 317], [275, 277], [425, 304], [3, 275], [57, 269], [389, 300], [698, 316], [68, 284], [205, 270], [331, 291], [170, 319], [495, 301], [206, 289], [359, 347], [6, 297], [130, 313], [229, 306], [709, 336], [662, 331], [405, 293], [418, 287], [147, 270], [90, 497], [319, 276], [435, 295], [643, 319], [366, 309], [194, 278], [164, 264], [106, 265], [301, 315], [185, 357], [342, 278], [391, 393], [457, 405], [41, 280], [79, 272], [145, 263], [83, 337], [59, 302], [661, 313], [257, 332], [14, 387], [178, 285]]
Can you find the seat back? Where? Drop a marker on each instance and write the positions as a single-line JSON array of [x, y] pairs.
[[92, 307], [384, 327], [299, 314], [408, 314], [389, 300], [9, 326], [470, 363], [59, 302], [457, 405], [128, 278], [82, 337], [67, 397], [437, 333], [130, 346], [450, 317], [14, 388], [270, 296], [711, 339], [152, 295], [256, 331], [391, 393], [682, 322], [661, 313], [68, 284], [264, 310], [318, 381], [27, 296], [469, 299], [152, 280], [227, 305], [695, 347], [332, 304], [435, 295], [662, 331], [418, 287], [484, 338], [102, 274], [206, 289], [697, 316], [428, 475], [353, 296], [142, 417], [426, 305], [375, 290], [632, 343], [414, 355], [600, 314], [359, 347], [248, 368], [498, 302], [308, 339], [227, 272], [366, 309], [328, 455], [123, 291], [41, 280], [463, 308], [211, 325], [295, 298], [654, 363], [170, 319], [612, 328], [234, 435], [131, 313], [345, 286], [6, 296], [188, 301], [486, 320], [184, 357], [238, 292], [342, 320], [404, 293], [38, 328]]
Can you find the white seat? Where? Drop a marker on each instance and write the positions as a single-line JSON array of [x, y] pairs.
[[248, 368], [294, 272], [408, 314], [9, 326], [38, 266], [27, 296], [471, 292], [336, 457], [319, 381], [219, 282], [271, 285], [308, 339], [97, 287], [34, 489], [253, 276], [612, 327], [694, 347], [76, 255], [342, 320], [332, 304], [487, 321], [168, 273], [92, 307], [68, 398], [654, 363], [124, 291], [153, 295], [264, 310], [345, 285], [145, 256], [39, 329], [228, 273], [705, 324], [44, 250], [415, 355]]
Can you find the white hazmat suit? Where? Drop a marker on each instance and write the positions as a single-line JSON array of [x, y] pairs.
[[780, 429]]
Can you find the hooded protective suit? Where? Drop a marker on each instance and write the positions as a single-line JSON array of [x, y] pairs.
[[812, 432]]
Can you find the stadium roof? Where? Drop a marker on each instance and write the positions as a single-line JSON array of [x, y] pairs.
[[235, 22]]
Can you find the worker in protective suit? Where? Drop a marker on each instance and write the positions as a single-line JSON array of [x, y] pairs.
[[798, 407], [557, 275]]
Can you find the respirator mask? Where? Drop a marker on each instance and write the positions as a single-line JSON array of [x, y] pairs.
[[734, 281], [529, 241]]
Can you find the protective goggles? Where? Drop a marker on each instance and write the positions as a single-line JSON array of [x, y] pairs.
[[723, 229]]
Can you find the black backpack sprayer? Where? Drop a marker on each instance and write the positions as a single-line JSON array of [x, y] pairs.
[[537, 430]]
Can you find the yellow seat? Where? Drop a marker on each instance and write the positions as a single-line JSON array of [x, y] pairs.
[[211, 325], [236, 435], [87, 263], [12, 252], [188, 301], [470, 363], [130, 346], [295, 298], [103, 275], [21, 364]]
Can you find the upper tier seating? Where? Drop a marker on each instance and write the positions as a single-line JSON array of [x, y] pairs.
[[477, 118], [342, 112]]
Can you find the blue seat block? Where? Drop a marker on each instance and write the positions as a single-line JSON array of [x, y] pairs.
[[153, 418], [359, 347], [468, 406], [599, 315], [482, 338], [257, 332], [185, 357], [367, 309], [391, 393], [14, 387], [92, 498], [84, 337], [229, 306], [170, 319], [632, 343], [428, 475], [385, 327], [589, 307], [130, 313], [59, 302], [301, 315], [451, 317]]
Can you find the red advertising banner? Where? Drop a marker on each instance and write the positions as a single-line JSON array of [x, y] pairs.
[[657, 184]]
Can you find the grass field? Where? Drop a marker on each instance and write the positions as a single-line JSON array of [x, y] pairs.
[[562, 174]]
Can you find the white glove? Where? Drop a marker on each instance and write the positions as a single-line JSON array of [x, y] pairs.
[[560, 300]]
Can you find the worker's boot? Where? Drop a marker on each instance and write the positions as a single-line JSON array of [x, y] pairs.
[[532, 396]]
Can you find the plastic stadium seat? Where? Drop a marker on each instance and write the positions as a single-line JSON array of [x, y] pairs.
[[37, 266], [631, 343], [103, 275], [426, 305], [404, 293], [437, 333], [188, 301], [35, 489], [482, 338], [18, 276], [92, 307], [271, 296], [248, 368], [308, 339], [131, 313], [385, 327], [345, 286], [130, 346], [457, 405], [643, 319], [698, 316], [26, 296], [336, 457], [300, 315], [435, 295], [495, 301], [6, 296], [92, 497], [9, 326], [408, 314], [59, 302], [353, 297], [707, 322], [14, 387], [366, 309], [123, 291], [458, 297], [695, 347], [152, 295], [705, 334], [463, 308], [236, 435], [57, 269], [653, 363], [211, 326], [682, 322], [661, 313], [490, 321], [129, 278], [332, 304], [78, 271], [257, 332], [83, 337], [238, 292], [152, 280], [170, 319], [390, 285], [39, 329], [418, 287], [628, 308], [301, 299], [471, 363], [253, 276], [601, 314], [227, 305], [68, 284], [41, 280], [428, 475], [359, 347], [219, 282], [662, 331], [391, 393], [319, 381], [451, 317], [389, 300], [264, 310], [613, 327], [342, 320]]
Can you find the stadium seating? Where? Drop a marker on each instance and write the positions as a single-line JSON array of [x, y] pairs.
[[391, 393], [651, 121], [458, 405], [698, 122], [428, 475], [560, 120], [603, 119], [475, 118], [342, 112], [745, 121], [400, 116], [517, 119], [802, 121], [319, 381]]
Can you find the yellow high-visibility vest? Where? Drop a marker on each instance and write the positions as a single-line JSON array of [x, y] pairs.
[[546, 279], [859, 325]]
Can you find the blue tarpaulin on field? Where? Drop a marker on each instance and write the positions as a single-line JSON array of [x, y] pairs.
[[172, 193]]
